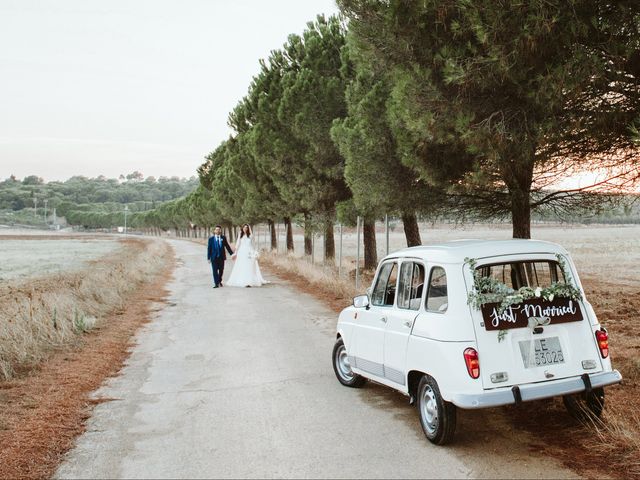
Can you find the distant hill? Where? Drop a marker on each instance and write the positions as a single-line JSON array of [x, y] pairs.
[[18, 198]]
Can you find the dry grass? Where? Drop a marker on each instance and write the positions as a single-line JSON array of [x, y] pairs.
[[42, 411], [323, 282], [41, 315], [617, 442]]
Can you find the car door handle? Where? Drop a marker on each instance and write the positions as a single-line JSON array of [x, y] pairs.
[[383, 319], [408, 324]]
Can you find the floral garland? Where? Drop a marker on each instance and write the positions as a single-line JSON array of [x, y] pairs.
[[490, 290]]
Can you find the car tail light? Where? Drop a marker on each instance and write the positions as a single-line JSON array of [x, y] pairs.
[[472, 361], [603, 342]]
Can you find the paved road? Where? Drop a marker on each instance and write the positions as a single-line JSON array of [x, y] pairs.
[[238, 383]]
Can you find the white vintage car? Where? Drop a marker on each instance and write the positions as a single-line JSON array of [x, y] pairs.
[[476, 324]]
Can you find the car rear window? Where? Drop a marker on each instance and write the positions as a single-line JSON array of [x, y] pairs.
[[532, 273]]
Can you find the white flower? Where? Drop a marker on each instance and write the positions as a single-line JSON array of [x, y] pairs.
[[538, 292], [551, 297]]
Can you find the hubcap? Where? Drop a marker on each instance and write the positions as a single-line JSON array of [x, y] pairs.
[[342, 362], [429, 409]]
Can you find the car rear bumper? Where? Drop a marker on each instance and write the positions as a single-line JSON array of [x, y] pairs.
[[535, 391]]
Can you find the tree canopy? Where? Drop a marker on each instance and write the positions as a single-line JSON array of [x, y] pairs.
[[495, 99]]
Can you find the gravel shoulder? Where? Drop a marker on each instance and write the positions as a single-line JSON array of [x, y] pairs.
[[238, 383]]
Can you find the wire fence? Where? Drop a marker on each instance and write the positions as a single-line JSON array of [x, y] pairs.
[[389, 238], [349, 251]]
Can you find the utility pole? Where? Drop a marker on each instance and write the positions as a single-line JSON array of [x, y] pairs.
[[46, 200], [35, 207], [126, 209]]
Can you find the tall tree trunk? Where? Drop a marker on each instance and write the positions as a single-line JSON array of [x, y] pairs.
[[287, 223], [274, 238], [370, 246], [411, 230], [308, 242], [329, 241], [521, 214], [518, 177]]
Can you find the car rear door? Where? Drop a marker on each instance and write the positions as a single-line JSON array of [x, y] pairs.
[[535, 340]]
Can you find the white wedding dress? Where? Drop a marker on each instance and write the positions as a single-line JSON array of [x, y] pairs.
[[246, 271]]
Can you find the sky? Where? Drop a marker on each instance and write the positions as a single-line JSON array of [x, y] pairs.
[[108, 87]]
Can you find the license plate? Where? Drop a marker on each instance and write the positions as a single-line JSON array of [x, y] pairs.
[[545, 351]]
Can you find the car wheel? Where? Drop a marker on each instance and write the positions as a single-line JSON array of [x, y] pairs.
[[437, 416], [585, 406], [342, 367]]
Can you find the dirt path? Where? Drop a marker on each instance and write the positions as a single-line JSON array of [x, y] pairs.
[[238, 383]]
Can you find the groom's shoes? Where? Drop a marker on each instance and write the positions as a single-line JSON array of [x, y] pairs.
[[215, 286], [221, 284]]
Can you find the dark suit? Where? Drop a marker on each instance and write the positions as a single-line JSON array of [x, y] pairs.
[[216, 253]]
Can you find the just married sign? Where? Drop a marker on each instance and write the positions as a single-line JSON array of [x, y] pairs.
[[559, 310]]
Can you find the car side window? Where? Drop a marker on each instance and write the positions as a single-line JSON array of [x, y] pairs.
[[437, 299], [417, 285], [384, 292], [404, 286], [410, 285]]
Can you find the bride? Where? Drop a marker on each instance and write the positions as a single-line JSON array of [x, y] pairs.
[[246, 271]]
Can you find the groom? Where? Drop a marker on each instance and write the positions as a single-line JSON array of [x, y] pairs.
[[216, 254]]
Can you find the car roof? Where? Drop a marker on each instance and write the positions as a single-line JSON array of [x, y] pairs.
[[457, 250]]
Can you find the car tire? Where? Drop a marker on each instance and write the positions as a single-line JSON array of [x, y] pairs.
[[342, 367], [437, 416], [585, 406]]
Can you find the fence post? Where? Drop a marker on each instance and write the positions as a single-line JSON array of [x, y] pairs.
[[358, 253], [386, 231], [324, 247], [340, 253]]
